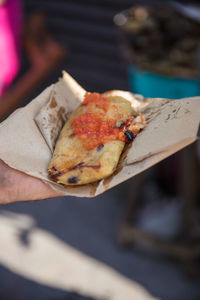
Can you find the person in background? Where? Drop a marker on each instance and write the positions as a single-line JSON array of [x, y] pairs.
[[42, 51]]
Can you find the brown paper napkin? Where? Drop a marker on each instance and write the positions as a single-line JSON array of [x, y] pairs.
[[28, 136]]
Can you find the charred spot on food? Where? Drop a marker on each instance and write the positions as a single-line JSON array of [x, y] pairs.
[[54, 177], [54, 168], [76, 166], [71, 135], [100, 147], [81, 165], [92, 166], [54, 174], [129, 136], [72, 179]]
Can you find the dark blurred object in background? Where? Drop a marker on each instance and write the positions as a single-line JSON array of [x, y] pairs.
[[160, 42], [161, 39]]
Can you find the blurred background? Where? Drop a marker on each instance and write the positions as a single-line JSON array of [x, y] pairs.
[[140, 240]]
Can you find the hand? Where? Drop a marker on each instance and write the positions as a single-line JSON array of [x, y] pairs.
[[17, 186]]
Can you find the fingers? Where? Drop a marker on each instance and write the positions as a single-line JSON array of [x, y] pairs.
[[17, 186]]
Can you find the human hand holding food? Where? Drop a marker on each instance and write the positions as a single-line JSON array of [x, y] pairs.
[[17, 186]]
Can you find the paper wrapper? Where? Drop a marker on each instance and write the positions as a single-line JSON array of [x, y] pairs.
[[28, 136]]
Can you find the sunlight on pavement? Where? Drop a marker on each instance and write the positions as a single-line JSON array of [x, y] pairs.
[[38, 255]]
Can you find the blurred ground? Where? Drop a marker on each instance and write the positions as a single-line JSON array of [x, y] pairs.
[[88, 225]]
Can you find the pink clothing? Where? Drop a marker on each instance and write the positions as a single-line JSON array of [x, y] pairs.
[[10, 31]]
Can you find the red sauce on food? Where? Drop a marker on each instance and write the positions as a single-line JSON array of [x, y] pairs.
[[95, 129], [97, 99]]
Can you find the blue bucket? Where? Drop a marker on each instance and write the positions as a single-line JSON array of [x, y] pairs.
[[153, 85]]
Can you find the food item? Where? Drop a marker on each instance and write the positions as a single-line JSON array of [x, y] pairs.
[[92, 140]]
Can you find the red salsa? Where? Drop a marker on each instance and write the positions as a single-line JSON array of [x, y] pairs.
[[97, 99], [93, 128]]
